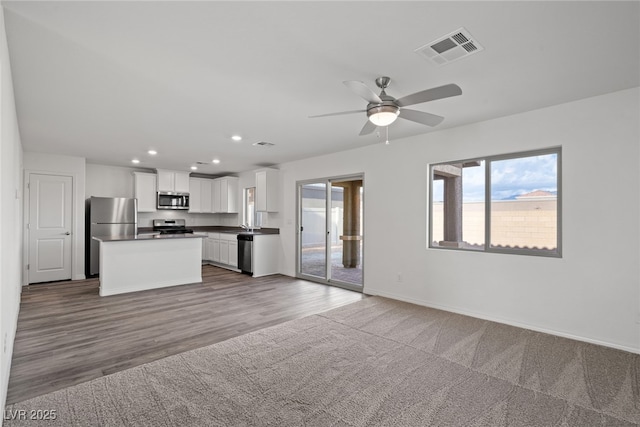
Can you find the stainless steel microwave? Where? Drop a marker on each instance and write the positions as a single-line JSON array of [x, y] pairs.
[[167, 200]]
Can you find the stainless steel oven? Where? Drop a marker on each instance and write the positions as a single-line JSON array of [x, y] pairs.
[[168, 200]]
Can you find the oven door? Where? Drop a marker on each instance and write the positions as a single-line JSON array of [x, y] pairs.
[[173, 201]]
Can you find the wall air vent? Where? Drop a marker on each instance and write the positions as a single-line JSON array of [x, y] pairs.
[[456, 45]]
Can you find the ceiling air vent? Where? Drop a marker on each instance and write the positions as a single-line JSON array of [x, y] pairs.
[[453, 46], [263, 144]]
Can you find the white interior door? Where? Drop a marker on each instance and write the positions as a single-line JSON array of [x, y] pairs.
[[49, 228]]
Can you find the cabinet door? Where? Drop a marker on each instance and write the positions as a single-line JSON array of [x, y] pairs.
[[211, 253], [261, 191], [181, 182], [215, 196], [165, 180], [267, 191], [195, 189], [224, 195], [233, 254], [205, 203], [232, 195], [145, 191], [205, 249], [224, 252], [215, 250]]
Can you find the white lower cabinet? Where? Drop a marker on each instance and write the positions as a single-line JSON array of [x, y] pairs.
[[224, 252], [233, 253], [222, 249], [266, 248]]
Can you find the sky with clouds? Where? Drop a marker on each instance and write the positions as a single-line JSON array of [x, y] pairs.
[[509, 178]]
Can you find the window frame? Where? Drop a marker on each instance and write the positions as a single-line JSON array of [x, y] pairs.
[[488, 160], [246, 218]]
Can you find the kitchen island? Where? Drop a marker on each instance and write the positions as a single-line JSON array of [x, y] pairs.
[[140, 262]]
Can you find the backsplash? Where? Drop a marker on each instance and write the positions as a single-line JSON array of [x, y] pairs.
[[145, 219]]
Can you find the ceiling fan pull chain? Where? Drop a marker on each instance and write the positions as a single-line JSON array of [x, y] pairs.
[[387, 141]]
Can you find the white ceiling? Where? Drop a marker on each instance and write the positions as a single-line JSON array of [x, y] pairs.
[[110, 80]]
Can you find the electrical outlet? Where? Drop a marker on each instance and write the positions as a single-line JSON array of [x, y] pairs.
[[399, 278]]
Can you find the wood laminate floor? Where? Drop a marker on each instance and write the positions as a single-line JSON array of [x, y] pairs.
[[68, 334]]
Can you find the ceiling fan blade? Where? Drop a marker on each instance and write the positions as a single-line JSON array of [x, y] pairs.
[[338, 114], [432, 94], [363, 91], [421, 117], [368, 128]]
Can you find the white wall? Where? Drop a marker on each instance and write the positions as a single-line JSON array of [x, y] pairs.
[[69, 166], [110, 181], [592, 293], [10, 217]]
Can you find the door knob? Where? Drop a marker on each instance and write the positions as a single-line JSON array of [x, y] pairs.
[[68, 233]]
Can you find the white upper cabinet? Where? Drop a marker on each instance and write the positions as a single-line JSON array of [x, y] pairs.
[[205, 192], [181, 182], [195, 195], [224, 193], [145, 191], [267, 198], [200, 195], [215, 195], [173, 181]]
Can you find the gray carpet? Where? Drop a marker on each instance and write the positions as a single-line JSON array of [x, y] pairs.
[[376, 362]]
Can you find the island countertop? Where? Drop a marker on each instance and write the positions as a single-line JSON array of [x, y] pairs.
[[149, 236], [138, 262]]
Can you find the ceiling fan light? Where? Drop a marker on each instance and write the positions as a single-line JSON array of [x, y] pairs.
[[383, 115]]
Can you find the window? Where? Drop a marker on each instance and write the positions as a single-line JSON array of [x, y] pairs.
[[249, 207], [508, 203]]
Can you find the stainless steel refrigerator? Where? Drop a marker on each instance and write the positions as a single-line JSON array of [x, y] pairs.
[[107, 216]]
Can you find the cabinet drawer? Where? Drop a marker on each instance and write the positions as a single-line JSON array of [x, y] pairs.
[[229, 236]]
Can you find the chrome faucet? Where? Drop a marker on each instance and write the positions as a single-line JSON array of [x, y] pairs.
[[246, 227]]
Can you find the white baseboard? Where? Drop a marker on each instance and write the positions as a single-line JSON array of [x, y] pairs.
[[424, 303]]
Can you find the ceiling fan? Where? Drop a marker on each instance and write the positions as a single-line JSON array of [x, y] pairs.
[[383, 109]]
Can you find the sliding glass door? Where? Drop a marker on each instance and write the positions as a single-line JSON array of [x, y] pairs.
[[331, 231], [313, 229]]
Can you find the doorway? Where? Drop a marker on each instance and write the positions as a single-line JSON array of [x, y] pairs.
[[49, 227], [331, 231]]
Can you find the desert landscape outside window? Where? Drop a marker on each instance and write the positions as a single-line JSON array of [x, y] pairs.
[[508, 203]]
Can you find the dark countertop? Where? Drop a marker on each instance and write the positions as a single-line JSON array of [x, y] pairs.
[[219, 229], [232, 230], [149, 236]]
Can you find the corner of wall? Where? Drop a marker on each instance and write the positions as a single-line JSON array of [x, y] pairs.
[[11, 194]]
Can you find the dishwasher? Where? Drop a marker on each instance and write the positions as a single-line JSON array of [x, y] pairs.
[[245, 251]]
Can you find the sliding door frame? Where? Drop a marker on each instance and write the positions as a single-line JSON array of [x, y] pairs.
[[328, 217]]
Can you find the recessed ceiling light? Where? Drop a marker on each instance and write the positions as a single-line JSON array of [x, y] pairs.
[[216, 161], [194, 168], [152, 152], [136, 161], [236, 138]]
